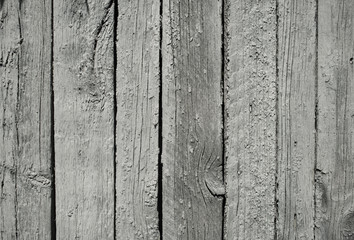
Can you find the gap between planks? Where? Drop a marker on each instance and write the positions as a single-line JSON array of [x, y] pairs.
[[115, 26], [224, 77], [160, 165], [52, 130]]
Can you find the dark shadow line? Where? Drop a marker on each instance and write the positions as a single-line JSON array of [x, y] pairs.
[[160, 136], [19, 65], [115, 26], [316, 121], [276, 200], [52, 130], [224, 77]]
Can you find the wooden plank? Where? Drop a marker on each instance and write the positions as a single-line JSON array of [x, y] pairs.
[[84, 119], [335, 176], [251, 95], [9, 73], [192, 120], [296, 118], [138, 82], [25, 115]]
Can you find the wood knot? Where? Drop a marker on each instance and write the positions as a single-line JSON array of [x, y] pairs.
[[347, 228], [215, 187], [37, 179]]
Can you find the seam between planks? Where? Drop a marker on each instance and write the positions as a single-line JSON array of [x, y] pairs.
[[276, 199], [115, 26], [316, 123], [52, 130], [17, 120], [160, 166], [17, 139], [224, 77]]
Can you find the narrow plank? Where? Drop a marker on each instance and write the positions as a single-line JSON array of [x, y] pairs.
[[251, 95], [335, 176], [84, 119], [25, 102], [192, 120], [9, 73], [296, 121], [138, 82]]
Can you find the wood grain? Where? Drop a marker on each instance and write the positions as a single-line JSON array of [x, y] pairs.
[[84, 119], [334, 175], [296, 121], [277, 74], [138, 82], [251, 95], [25, 115], [192, 120]]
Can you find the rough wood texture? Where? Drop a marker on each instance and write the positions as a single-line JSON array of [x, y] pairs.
[[335, 178], [296, 118], [138, 81], [84, 119], [192, 121], [25, 115], [288, 111], [250, 119]]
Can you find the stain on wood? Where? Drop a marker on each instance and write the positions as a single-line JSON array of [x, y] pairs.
[[137, 133], [250, 87], [25, 115], [84, 119], [192, 120], [297, 74], [334, 178]]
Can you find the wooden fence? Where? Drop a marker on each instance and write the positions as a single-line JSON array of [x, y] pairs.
[[177, 119]]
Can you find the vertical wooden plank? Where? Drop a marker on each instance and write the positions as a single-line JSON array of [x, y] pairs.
[[84, 118], [296, 121], [335, 176], [192, 120], [25, 103], [138, 82], [251, 119], [9, 58]]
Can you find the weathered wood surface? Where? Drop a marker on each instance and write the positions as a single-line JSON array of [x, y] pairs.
[[250, 86], [25, 115], [84, 119], [137, 132], [334, 175], [192, 120], [296, 118], [138, 82]]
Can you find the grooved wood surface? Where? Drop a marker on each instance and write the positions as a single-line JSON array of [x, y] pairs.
[[334, 173], [297, 74], [84, 119], [25, 115], [137, 86], [176, 119], [192, 191]]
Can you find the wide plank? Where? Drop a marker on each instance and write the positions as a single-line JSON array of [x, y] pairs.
[[192, 188], [335, 154], [250, 117], [26, 120], [84, 118]]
